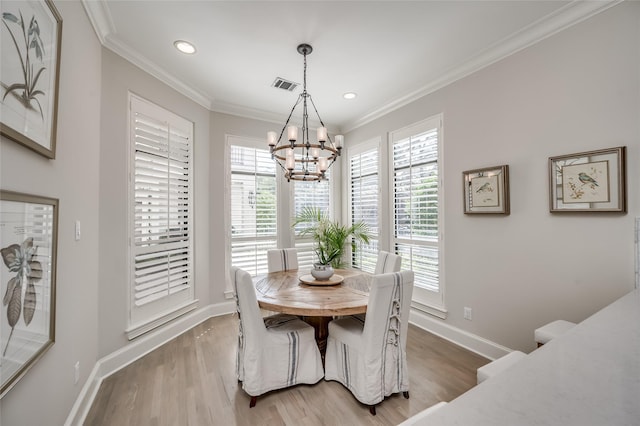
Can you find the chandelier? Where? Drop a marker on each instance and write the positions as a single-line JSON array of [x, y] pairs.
[[296, 155]]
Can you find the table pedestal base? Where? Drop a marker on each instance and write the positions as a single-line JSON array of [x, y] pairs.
[[321, 325]]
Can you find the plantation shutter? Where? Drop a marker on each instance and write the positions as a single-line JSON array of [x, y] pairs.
[[309, 194], [415, 202], [363, 169], [253, 208], [162, 210]]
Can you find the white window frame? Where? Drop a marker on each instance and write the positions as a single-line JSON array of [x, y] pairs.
[[358, 149], [144, 318], [305, 245], [424, 300], [285, 193], [255, 144]]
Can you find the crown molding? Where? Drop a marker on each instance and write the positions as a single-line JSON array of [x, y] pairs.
[[157, 71], [100, 18], [565, 17], [102, 23]]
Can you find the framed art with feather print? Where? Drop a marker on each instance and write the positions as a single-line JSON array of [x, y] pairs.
[[28, 245]]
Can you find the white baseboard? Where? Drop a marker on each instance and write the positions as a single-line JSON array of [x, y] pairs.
[[472, 342], [119, 359], [88, 393]]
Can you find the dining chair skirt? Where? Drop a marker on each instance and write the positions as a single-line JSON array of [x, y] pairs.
[[369, 357], [273, 352]]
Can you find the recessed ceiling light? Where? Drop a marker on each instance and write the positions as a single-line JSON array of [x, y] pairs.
[[185, 47], [349, 95]]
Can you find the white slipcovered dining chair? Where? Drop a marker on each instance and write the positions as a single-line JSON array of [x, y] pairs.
[[273, 352], [369, 357], [387, 262], [282, 259]]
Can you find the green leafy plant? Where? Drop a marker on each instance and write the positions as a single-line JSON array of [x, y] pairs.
[[19, 259], [329, 236], [30, 42]]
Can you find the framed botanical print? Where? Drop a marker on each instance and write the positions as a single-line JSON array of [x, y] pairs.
[[486, 191], [28, 247], [31, 33], [593, 181]]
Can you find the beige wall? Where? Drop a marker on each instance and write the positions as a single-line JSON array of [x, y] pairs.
[[576, 91], [119, 78], [46, 393]]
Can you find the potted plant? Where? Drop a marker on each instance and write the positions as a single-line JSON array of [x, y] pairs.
[[330, 238]]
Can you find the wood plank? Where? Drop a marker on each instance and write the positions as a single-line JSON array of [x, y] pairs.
[[283, 292], [191, 381]]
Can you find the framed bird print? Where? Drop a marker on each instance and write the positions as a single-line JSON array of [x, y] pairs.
[[593, 181], [486, 190]]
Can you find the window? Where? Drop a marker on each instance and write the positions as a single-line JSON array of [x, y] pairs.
[[259, 218], [416, 206], [364, 204], [253, 205], [309, 194], [161, 246]]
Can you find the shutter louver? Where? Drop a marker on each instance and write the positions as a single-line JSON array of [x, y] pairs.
[[161, 211], [364, 205], [415, 185], [253, 208], [309, 194]]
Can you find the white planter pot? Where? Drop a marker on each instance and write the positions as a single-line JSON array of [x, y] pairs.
[[322, 272]]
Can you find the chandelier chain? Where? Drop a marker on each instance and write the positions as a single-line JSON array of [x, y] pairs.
[[320, 156]]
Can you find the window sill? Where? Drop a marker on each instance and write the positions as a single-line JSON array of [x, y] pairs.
[[142, 328], [436, 311]]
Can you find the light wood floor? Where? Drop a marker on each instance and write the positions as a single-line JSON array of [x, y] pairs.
[[191, 381]]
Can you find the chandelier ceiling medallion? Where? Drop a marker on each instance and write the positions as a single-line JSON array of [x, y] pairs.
[[299, 158]]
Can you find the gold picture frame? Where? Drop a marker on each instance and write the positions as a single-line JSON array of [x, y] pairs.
[[28, 248], [486, 191], [31, 41], [592, 181]]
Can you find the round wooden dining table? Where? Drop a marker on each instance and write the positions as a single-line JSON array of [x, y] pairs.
[[316, 304]]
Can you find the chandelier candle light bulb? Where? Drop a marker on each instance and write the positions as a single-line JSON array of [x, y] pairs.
[[301, 159], [292, 133], [323, 164], [339, 141], [290, 162], [272, 137], [322, 134]]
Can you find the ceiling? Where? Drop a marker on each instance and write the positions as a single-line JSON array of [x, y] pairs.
[[388, 52]]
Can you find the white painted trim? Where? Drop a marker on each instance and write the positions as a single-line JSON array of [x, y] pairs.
[[140, 329], [100, 18], [84, 400], [571, 14], [119, 359], [428, 301], [437, 311], [151, 68], [472, 342]]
